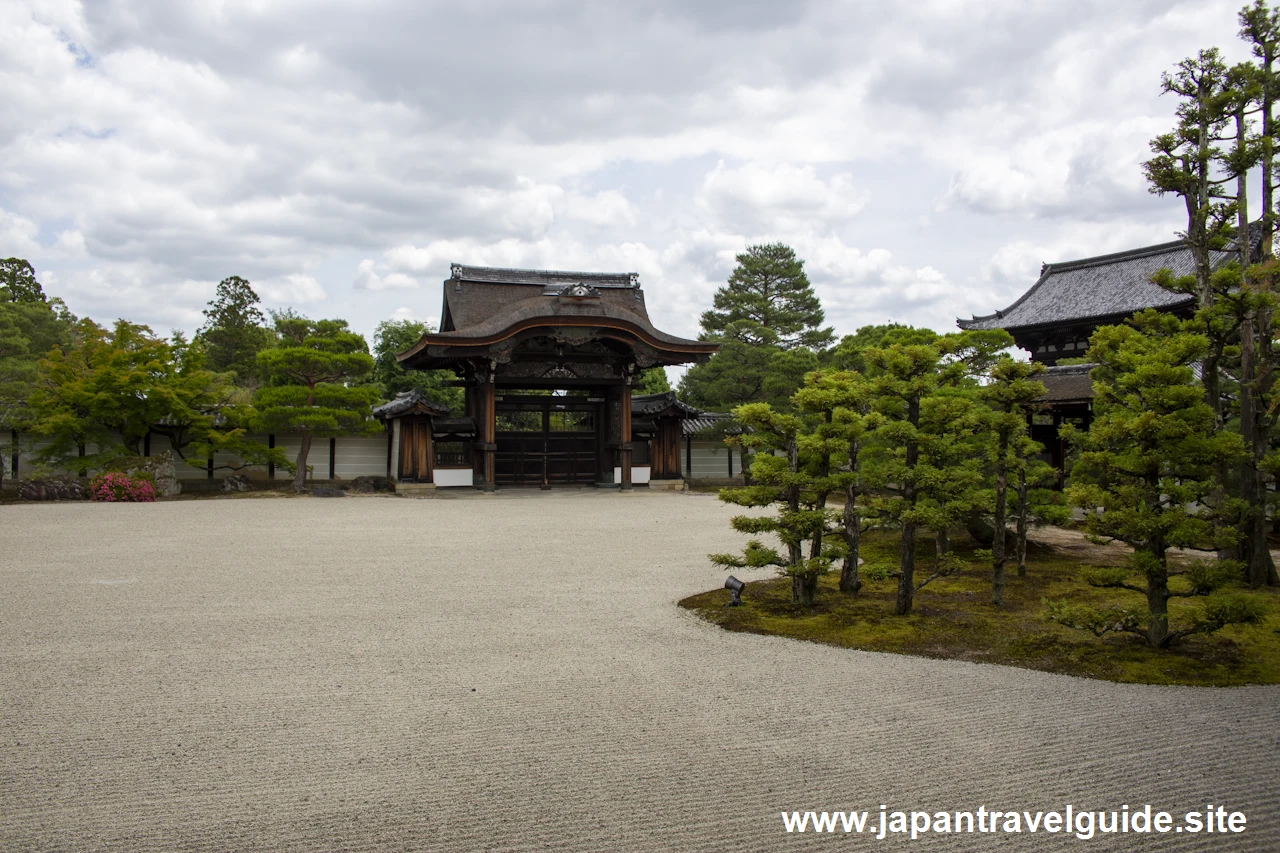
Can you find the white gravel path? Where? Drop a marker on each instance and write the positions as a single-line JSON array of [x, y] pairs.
[[511, 672]]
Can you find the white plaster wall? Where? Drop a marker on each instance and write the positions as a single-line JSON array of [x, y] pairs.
[[445, 477], [639, 474]]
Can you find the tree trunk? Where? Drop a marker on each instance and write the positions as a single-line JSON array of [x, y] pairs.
[[850, 582], [907, 561], [300, 476], [824, 471], [1020, 542], [1158, 600], [906, 570], [801, 593], [941, 543], [803, 589], [998, 520]]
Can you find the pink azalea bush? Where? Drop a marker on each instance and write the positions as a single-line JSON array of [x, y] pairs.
[[114, 486]]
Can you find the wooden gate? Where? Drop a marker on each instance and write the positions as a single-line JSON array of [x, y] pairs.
[[546, 441], [416, 462]]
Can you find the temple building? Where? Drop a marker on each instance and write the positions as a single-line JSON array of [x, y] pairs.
[[547, 360], [1054, 319]]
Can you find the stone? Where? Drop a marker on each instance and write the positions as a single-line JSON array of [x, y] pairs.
[[161, 468], [237, 483], [368, 484], [326, 492], [52, 489]]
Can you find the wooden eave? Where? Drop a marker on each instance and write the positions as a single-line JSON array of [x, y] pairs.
[[473, 347]]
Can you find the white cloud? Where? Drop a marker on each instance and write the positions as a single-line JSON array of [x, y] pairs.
[[369, 277], [18, 235], [921, 158], [290, 290], [754, 198]]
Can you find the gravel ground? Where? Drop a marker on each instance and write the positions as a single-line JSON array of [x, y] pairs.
[[511, 672]]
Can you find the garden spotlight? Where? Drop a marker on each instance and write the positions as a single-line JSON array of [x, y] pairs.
[[735, 588]]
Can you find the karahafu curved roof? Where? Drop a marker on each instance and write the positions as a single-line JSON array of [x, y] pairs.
[[484, 305]]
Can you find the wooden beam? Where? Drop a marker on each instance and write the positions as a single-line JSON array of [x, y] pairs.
[[625, 460], [488, 431]]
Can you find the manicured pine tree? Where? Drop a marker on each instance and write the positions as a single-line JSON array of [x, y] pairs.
[[842, 398], [1148, 461], [1009, 396], [786, 475], [904, 375], [310, 369], [1037, 499]]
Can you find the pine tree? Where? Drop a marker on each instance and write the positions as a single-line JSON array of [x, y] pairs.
[[768, 322], [1149, 459], [788, 474], [903, 377], [842, 399], [311, 367], [769, 288], [1010, 393]]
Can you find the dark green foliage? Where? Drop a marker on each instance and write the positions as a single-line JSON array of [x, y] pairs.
[[1008, 396], [767, 320], [770, 291], [29, 328], [234, 331], [793, 482], [18, 282], [841, 401], [1148, 462], [913, 489], [747, 369], [310, 368], [652, 381], [396, 336]]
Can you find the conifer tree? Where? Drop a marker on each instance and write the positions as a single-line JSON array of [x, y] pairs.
[[1148, 460], [234, 332], [311, 368], [1010, 393], [769, 289], [768, 322], [788, 475], [842, 398], [904, 376]]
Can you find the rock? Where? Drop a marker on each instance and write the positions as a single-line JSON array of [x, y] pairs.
[[55, 489], [237, 483], [372, 484], [160, 468], [326, 492]]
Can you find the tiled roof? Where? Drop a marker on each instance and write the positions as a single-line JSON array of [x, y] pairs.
[[406, 403], [706, 421], [1067, 383], [1109, 285], [482, 302], [649, 405]]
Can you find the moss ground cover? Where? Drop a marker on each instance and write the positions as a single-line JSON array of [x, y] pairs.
[[954, 619]]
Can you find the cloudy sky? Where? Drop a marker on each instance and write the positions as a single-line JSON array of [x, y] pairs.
[[923, 158]]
